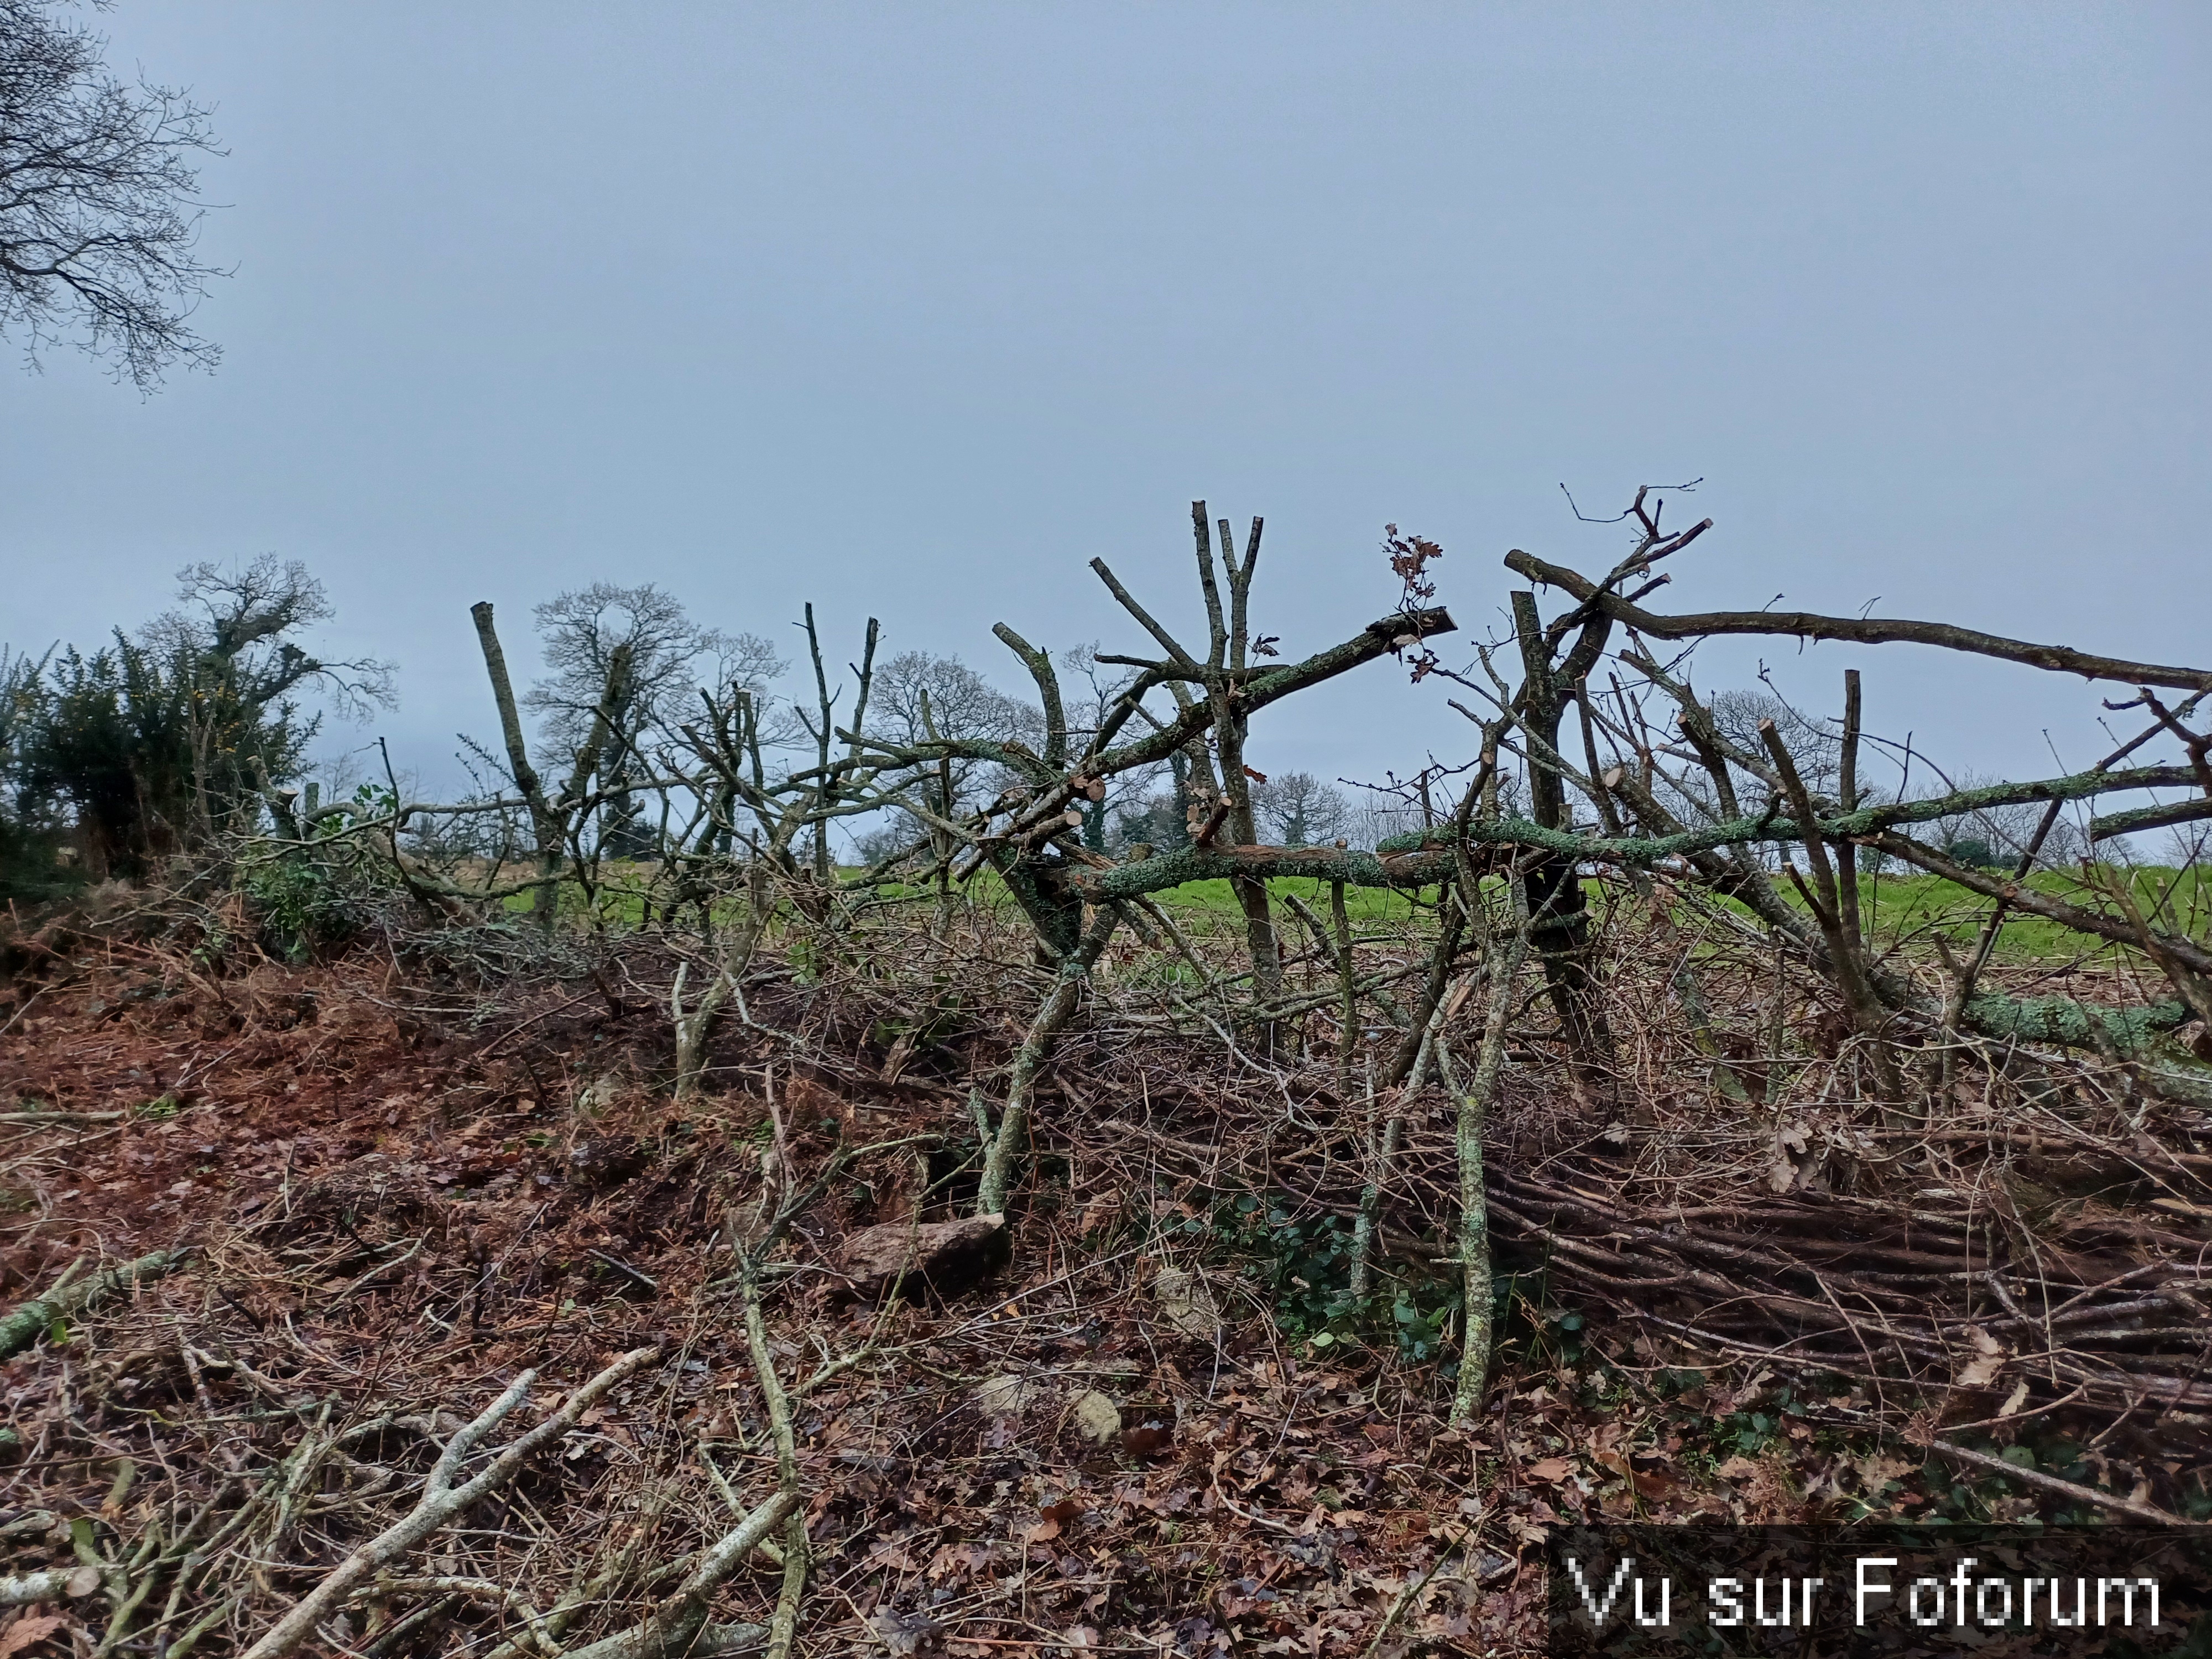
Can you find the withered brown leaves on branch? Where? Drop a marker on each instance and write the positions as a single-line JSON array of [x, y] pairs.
[[1409, 557], [1409, 561]]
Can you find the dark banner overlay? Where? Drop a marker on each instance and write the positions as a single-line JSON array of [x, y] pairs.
[[1892, 1591]]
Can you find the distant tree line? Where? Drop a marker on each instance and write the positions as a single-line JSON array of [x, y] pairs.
[[202, 720]]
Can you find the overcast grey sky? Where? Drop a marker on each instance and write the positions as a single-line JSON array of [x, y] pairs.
[[913, 310]]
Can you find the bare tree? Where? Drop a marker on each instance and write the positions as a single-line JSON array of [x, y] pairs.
[[1297, 809], [1379, 815], [98, 227], [581, 629], [241, 618], [662, 650], [962, 704], [920, 697], [1127, 795], [1737, 715]]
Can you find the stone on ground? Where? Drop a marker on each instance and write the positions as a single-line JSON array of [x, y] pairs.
[[1097, 1417], [1187, 1303], [945, 1257]]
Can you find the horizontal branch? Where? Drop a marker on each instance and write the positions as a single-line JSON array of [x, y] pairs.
[[50, 1585], [21, 1328], [2149, 818], [1863, 630], [1355, 868], [1842, 826], [1411, 861], [363, 818], [2068, 1023]]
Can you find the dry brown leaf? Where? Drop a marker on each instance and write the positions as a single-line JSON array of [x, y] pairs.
[[1551, 1471], [1990, 1356], [27, 1632], [1100, 1214], [1147, 1439], [1876, 1471]]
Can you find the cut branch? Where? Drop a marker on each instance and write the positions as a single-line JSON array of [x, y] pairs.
[[24, 1326], [1863, 630], [441, 1500]]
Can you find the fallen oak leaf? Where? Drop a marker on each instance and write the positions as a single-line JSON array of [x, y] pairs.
[[1877, 1472], [1980, 1373], [1990, 1356], [28, 1632], [1146, 1439]]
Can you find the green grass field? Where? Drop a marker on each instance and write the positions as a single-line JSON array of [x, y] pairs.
[[1903, 907], [1900, 909]]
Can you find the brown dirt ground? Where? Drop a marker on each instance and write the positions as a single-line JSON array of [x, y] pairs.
[[300, 1125]]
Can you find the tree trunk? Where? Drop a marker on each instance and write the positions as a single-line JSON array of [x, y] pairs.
[[1002, 1146], [545, 897], [1560, 931], [1478, 1287], [694, 1028]]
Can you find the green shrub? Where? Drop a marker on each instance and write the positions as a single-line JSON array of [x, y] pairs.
[[301, 903]]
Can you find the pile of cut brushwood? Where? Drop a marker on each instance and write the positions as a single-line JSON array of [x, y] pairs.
[[1020, 1247]]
